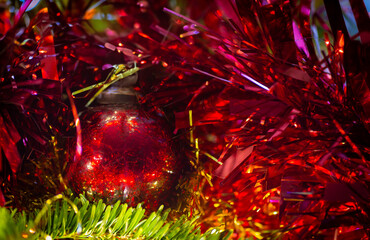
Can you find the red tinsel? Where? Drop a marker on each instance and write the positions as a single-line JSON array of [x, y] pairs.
[[293, 116], [273, 97]]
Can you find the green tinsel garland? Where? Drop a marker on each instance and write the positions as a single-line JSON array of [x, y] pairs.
[[81, 219]]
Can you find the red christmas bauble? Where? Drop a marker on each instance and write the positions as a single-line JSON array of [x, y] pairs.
[[126, 156]]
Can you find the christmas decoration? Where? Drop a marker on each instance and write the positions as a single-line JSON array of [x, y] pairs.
[[126, 153], [280, 84], [126, 156], [63, 218], [270, 96]]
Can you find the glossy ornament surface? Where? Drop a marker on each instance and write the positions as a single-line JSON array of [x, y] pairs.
[[126, 156]]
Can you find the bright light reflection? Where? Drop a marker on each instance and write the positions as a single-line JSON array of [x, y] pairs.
[[254, 81]]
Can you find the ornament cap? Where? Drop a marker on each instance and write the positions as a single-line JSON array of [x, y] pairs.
[[120, 93]]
